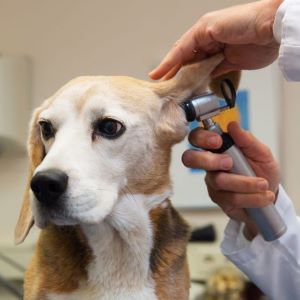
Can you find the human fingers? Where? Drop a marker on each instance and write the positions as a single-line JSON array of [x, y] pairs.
[[258, 155], [247, 26], [186, 49], [172, 72], [221, 181], [206, 160], [230, 201], [198, 56], [246, 57], [183, 50], [205, 139], [249, 144], [206, 37]]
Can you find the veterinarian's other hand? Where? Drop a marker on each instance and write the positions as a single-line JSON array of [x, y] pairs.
[[243, 33], [233, 192]]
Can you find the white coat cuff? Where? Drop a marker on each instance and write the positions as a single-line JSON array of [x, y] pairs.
[[286, 31]]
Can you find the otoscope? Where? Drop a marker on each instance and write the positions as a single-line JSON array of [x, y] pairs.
[[203, 108]]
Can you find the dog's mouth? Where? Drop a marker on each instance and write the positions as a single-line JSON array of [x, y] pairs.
[[72, 211], [62, 220], [60, 217]]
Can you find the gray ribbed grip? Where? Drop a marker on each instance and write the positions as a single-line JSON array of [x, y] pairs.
[[267, 219]]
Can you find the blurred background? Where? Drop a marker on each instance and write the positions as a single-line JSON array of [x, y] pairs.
[[44, 44]]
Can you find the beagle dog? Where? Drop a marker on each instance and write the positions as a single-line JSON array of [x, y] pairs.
[[99, 189]]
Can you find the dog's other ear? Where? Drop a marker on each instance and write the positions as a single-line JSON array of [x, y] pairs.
[[36, 153]]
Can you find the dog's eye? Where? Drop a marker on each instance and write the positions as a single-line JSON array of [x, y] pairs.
[[108, 128], [47, 129]]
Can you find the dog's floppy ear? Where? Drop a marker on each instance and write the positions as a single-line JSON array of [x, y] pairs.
[[36, 154], [194, 79], [191, 80]]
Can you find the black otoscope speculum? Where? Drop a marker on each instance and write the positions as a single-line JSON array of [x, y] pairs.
[[203, 108]]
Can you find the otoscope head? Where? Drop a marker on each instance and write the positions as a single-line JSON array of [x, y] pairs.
[[208, 105]]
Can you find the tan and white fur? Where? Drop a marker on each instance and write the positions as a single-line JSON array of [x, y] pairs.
[[116, 234]]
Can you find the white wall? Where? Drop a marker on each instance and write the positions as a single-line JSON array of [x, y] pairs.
[[68, 38]]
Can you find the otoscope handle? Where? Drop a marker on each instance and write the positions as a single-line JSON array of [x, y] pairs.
[[267, 219]]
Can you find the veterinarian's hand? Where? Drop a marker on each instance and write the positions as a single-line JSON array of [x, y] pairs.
[[243, 33], [233, 192]]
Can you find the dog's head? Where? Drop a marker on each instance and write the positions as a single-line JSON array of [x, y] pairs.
[[97, 137]]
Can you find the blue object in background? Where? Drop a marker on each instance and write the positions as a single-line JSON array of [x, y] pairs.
[[242, 103]]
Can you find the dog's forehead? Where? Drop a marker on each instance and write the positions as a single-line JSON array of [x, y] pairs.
[[106, 93]]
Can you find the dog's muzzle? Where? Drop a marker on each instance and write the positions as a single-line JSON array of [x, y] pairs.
[[48, 186]]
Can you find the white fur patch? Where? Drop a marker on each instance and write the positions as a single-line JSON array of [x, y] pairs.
[[121, 246]]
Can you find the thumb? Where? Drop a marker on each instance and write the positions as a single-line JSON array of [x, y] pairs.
[[249, 144]]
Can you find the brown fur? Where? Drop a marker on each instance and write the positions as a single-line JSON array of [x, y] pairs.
[[61, 257], [157, 178], [36, 155], [168, 258]]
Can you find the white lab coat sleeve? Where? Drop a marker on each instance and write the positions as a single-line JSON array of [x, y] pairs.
[[273, 266], [286, 29]]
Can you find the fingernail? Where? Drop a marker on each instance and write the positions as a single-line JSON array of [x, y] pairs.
[[226, 163], [150, 74], [213, 141], [262, 185], [152, 71], [186, 158]]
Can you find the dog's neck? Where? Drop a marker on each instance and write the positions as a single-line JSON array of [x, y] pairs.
[[120, 250], [122, 244]]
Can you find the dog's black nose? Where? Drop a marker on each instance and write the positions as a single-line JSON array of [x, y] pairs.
[[49, 185]]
